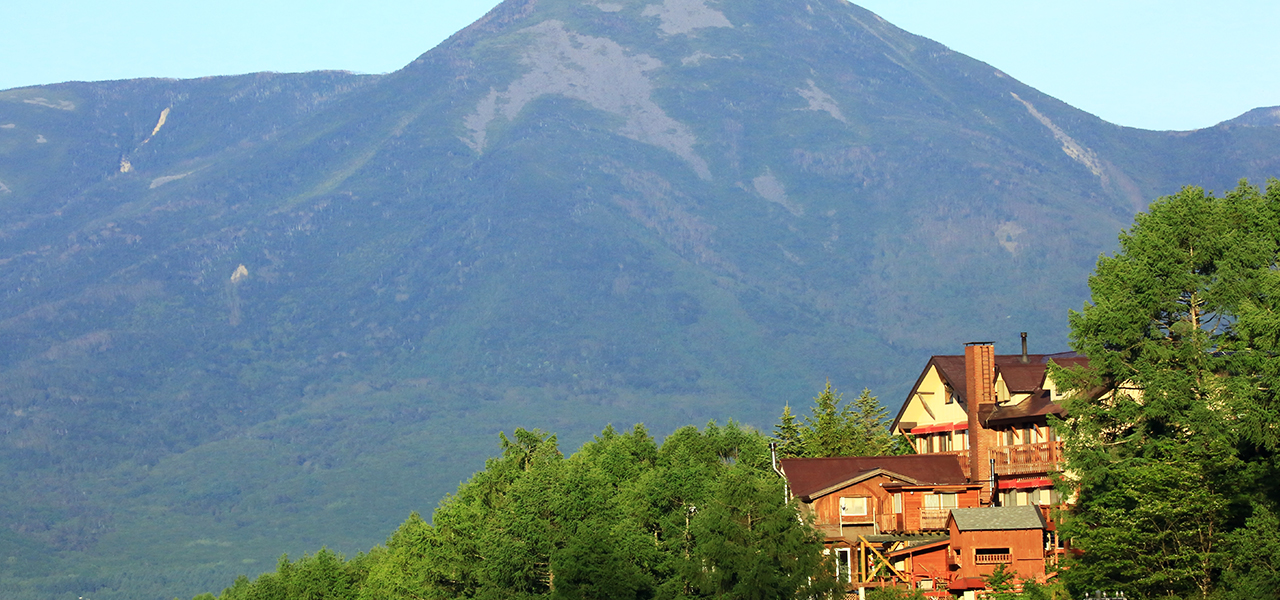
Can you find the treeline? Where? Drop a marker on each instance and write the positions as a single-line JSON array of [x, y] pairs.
[[701, 515]]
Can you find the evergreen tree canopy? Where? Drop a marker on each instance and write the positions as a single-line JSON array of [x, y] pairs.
[[1172, 437], [701, 516], [832, 429]]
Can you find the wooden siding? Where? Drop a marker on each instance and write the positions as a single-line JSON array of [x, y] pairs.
[[1024, 554]]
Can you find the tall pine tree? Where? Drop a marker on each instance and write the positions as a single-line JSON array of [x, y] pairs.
[[835, 429], [1172, 437]]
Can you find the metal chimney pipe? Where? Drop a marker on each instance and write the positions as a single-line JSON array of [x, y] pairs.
[[995, 492], [1025, 360], [773, 461]]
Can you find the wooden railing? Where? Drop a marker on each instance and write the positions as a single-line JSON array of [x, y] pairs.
[[888, 522], [1027, 458], [934, 518], [992, 559]]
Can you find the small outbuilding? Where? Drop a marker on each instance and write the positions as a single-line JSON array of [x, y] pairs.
[[984, 538]]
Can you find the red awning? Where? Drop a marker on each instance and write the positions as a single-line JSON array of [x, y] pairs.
[[1017, 484], [967, 583], [939, 427]]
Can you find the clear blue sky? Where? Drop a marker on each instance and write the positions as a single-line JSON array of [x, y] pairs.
[[1172, 64]]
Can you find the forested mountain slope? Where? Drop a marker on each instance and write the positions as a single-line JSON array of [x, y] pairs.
[[255, 314]]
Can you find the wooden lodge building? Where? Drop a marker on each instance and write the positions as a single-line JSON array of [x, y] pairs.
[[975, 495]]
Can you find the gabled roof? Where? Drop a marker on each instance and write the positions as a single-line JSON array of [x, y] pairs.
[[811, 478], [1018, 376], [1026, 376], [998, 518], [1038, 405], [1022, 378]]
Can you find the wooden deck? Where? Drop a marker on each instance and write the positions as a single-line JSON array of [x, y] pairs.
[[1027, 458]]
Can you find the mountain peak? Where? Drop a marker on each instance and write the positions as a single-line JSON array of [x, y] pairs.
[[572, 212]]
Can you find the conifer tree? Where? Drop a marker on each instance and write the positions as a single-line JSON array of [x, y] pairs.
[[829, 430], [1172, 437], [833, 429], [787, 434]]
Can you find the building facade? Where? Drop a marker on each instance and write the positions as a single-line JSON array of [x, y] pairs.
[[976, 495]]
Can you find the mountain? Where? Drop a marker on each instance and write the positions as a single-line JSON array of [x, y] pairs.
[[257, 314]]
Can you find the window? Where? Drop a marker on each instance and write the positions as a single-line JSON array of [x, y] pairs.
[[897, 503], [853, 507], [1008, 437], [1044, 497], [844, 568], [940, 500], [949, 394], [944, 442], [991, 556]]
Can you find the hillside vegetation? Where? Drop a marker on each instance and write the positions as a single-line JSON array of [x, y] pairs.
[[234, 305]]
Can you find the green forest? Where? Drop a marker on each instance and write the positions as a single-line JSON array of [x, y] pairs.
[[1171, 446], [702, 515]]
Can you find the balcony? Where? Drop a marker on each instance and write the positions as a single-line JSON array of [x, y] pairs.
[[992, 559], [934, 518], [886, 523], [1027, 458]]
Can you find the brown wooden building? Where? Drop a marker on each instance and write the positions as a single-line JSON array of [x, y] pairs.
[[984, 538], [977, 494], [992, 411], [868, 505]]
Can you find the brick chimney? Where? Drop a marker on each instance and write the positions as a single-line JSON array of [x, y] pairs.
[[980, 390]]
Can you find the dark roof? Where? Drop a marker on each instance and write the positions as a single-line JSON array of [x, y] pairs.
[[816, 476], [1037, 405], [1020, 377], [1025, 376], [998, 518]]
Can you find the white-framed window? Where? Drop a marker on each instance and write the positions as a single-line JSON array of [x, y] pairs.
[[897, 503], [940, 500], [844, 566], [854, 506]]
